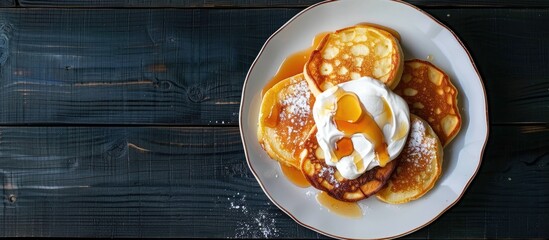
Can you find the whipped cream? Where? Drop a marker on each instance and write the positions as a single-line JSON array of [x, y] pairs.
[[389, 111]]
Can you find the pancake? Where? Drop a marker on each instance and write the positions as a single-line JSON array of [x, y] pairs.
[[354, 52], [431, 95], [329, 180], [285, 119], [419, 165]]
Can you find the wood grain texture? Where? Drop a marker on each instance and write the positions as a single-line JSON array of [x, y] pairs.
[[262, 3], [167, 3], [132, 182], [194, 182], [509, 197], [7, 3], [187, 67], [128, 66], [509, 51]]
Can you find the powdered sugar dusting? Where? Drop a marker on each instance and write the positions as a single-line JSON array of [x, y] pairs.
[[297, 104], [417, 134], [309, 194], [419, 144], [296, 113], [256, 224], [330, 173]]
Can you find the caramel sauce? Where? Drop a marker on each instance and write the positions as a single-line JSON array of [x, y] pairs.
[[293, 64], [272, 119], [344, 147], [348, 109], [294, 176], [365, 124], [347, 209], [388, 29], [296, 152]]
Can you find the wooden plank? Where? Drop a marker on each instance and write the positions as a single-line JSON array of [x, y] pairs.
[[124, 67], [262, 3], [508, 47], [187, 67], [133, 182], [509, 196], [167, 3], [194, 182], [7, 3]]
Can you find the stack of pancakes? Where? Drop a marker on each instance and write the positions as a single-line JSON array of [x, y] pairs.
[[286, 128]]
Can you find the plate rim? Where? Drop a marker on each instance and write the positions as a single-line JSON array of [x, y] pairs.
[[287, 212]]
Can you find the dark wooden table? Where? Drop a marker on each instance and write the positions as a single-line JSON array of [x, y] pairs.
[[119, 118]]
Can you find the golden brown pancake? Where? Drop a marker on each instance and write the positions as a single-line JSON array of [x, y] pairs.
[[419, 165], [285, 119], [354, 52], [431, 96], [328, 178]]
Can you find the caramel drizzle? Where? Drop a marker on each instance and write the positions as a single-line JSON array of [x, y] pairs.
[[351, 118]]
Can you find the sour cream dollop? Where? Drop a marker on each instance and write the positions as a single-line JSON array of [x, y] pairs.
[[388, 110]]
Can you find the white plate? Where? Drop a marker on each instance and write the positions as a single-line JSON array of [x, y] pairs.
[[422, 36]]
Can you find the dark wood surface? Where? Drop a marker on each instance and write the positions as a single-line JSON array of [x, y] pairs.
[[259, 3], [187, 66], [7, 3], [120, 122]]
